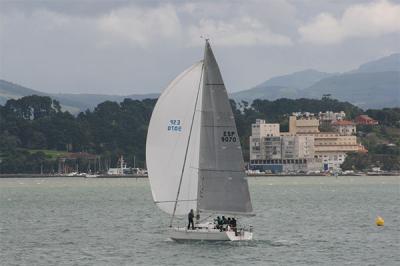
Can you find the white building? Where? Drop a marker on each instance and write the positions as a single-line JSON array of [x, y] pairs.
[[297, 146], [259, 131], [332, 148], [331, 116], [281, 152], [344, 127], [262, 129], [304, 145]]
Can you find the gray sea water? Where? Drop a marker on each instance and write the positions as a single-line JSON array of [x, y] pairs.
[[300, 221]]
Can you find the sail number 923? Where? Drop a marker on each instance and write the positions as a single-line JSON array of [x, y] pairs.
[[175, 125], [229, 136]]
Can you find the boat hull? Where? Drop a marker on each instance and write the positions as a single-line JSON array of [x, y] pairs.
[[205, 234]]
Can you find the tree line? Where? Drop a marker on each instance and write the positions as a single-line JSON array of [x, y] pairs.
[[33, 126]]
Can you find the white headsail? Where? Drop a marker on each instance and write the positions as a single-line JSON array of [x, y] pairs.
[[167, 140]]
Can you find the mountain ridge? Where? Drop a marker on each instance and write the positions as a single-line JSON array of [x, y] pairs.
[[359, 88], [356, 86], [69, 101], [384, 64]]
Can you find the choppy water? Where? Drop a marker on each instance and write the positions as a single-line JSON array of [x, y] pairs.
[[300, 221]]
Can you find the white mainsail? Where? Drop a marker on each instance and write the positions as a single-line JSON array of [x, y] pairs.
[[193, 152]]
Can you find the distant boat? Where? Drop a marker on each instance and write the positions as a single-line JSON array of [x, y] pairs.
[[72, 174], [124, 171], [121, 170], [91, 175], [193, 154]]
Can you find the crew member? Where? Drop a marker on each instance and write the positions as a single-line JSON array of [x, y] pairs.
[[190, 218]]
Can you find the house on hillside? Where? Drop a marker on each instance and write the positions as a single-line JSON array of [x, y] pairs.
[[344, 127], [365, 120]]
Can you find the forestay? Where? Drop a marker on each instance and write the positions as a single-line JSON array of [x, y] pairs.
[[168, 139]]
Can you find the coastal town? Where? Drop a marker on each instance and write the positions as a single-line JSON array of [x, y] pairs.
[[297, 143], [314, 144]]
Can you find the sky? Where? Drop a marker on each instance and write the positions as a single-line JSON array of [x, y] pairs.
[[135, 47]]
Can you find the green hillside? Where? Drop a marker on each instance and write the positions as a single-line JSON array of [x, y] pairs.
[[34, 130]]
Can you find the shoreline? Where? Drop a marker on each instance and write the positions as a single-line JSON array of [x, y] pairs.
[[67, 176], [145, 176]]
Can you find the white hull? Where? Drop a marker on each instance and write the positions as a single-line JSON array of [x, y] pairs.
[[207, 234]]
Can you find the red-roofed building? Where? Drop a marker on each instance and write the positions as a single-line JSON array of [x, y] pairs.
[[365, 120], [344, 127]]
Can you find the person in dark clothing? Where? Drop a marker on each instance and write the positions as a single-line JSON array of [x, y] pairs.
[[233, 221], [224, 220], [224, 223], [233, 225], [219, 223], [190, 218]]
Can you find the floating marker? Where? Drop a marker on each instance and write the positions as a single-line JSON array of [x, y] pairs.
[[379, 221]]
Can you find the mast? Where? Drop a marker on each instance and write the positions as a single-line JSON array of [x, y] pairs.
[[187, 149]]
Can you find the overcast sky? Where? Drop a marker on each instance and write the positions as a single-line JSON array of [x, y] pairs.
[[126, 47]]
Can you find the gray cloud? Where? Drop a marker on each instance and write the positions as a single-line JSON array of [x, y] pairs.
[[362, 20], [123, 47]]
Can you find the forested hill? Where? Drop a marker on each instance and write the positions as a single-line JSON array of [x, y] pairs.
[[34, 130]]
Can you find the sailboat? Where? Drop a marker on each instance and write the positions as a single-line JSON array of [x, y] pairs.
[[194, 157]]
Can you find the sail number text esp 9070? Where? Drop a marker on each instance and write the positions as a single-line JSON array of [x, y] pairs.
[[229, 136]]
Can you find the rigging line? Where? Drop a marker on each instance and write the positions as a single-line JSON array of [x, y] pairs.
[[187, 147]]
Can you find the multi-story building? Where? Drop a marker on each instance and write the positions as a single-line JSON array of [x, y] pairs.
[[296, 146], [332, 148], [275, 151], [303, 148], [304, 124], [259, 131], [272, 147], [331, 116], [344, 127], [327, 118]]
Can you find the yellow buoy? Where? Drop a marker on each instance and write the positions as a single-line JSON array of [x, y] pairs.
[[379, 221]]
